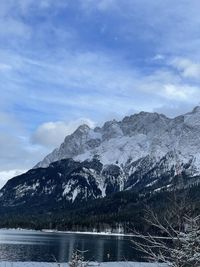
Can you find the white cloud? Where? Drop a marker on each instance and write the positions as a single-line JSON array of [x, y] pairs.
[[187, 68], [16, 152], [159, 57], [52, 134], [6, 175], [171, 81], [180, 92]]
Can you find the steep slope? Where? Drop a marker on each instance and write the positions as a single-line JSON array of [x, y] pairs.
[[144, 152]]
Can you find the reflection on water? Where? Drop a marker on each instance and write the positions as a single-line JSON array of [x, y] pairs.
[[18, 245]]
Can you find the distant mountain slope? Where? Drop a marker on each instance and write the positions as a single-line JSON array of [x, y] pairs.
[[144, 152]]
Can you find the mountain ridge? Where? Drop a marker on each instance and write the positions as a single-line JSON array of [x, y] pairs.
[[144, 152], [85, 143]]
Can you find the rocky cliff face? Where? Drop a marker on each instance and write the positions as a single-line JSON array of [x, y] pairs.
[[143, 152]]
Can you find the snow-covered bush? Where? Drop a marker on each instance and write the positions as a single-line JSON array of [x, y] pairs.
[[179, 246], [78, 260]]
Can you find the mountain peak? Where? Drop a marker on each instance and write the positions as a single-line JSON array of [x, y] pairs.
[[84, 128], [109, 124]]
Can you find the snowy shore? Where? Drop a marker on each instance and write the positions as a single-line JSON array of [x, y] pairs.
[[67, 232], [86, 233], [99, 233], [103, 264]]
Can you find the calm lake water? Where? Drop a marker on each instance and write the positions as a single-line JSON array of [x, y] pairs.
[[17, 245]]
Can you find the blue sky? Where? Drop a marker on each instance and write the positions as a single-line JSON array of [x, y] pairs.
[[67, 62]]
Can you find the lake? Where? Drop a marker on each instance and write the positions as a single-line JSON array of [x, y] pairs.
[[25, 245]]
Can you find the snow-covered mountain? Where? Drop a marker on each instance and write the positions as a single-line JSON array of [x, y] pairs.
[[145, 151], [134, 138]]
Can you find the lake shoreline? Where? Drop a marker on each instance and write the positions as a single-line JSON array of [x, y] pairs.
[[86, 233], [69, 232], [82, 233]]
